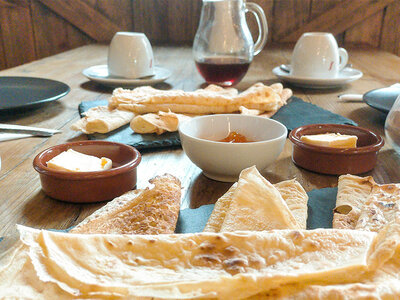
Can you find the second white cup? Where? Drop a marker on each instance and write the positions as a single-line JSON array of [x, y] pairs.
[[317, 55], [130, 55]]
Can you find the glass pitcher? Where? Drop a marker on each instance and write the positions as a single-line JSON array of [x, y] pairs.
[[223, 47], [392, 126]]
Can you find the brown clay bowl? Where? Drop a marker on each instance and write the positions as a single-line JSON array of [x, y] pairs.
[[334, 161], [85, 187]]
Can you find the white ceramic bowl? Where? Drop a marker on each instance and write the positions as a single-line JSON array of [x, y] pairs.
[[224, 161]]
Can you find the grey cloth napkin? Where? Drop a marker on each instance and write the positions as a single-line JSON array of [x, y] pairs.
[[296, 113]]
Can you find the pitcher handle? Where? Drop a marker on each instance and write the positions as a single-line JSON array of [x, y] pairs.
[[258, 13]]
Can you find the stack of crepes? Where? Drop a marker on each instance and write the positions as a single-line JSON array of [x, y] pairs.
[[275, 264], [365, 205], [150, 110]]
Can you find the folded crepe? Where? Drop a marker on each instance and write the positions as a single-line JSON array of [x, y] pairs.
[[102, 119], [253, 203], [152, 210], [281, 264], [158, 122], [363, 204]]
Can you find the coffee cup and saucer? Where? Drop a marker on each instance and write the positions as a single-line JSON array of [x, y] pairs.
[[130, 63], [317, 62]]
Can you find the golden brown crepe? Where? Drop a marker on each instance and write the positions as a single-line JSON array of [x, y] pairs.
[[157, 122], [102, 119], [291, 192], [210, 100], [282, 264], [257, 205], [150, 211], [296, 199]]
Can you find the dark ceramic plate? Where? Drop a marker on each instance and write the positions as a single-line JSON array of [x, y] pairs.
[[26, 92], [382, 99]]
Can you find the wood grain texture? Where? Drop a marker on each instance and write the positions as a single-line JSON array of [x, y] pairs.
[[390, 36], [22, 201], [297, 11], [46, 27], [83, 16], [339, 18], [366, 32], [16, 31]]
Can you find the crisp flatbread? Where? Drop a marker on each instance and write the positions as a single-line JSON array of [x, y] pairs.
[[152, 210], [353, 192], [257, 205], [102, 119]]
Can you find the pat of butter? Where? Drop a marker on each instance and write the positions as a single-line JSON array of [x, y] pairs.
[[334, 140], [74, 161]]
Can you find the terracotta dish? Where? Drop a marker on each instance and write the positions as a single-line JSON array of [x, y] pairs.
[[96, 186], [334, 161]]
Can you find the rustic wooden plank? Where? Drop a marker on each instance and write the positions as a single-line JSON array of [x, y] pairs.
[[149, 17], [50, 42], [366, 32], [318, 7], [16, 30], [117, 11], [339, 18], [390, 36], [83, 16], [297, 11], [268, 7], [182, 29], [10, 3]]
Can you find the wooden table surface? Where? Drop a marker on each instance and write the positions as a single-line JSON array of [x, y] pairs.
[[23, 202]]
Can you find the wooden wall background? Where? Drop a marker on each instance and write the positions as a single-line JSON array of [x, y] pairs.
[[32, 29]]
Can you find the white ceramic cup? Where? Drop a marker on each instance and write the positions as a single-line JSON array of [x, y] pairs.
[[317, 55], [130, 55]]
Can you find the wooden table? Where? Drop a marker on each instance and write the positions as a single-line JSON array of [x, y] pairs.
[[23, 202]]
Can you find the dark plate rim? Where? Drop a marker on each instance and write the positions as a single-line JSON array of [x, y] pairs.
[[374, 103], [63, 86]]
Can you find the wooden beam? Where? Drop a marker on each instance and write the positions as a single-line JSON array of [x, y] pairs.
[[339, 18], [84, 17], [10, 3], [390, 35]]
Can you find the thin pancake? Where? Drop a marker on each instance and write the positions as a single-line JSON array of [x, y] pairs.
[[353, 192], [257, 205], [150, 211]]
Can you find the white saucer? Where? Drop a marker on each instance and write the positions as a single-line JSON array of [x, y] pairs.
[[99, 74], [345, 76]]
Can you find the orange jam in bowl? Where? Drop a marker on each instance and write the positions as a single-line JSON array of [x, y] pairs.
[[234, 137]]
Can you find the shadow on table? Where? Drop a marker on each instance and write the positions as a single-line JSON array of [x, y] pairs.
[[197, 195], [96, 87], [41, 211], [35, 114]]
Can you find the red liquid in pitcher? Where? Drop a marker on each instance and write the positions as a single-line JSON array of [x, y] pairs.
[[223, 70]]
